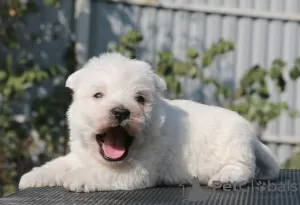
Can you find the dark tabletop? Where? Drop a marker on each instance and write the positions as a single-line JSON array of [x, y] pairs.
[[284, 191]]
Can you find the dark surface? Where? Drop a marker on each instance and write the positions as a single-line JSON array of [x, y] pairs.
[[285, 191]]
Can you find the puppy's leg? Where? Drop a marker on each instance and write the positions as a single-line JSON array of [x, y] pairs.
[[238, 173], [89, 179], [50, 174]]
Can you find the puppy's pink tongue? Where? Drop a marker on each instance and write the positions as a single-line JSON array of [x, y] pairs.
[[114, 143]]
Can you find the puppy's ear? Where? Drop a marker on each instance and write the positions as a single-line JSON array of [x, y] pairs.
[[73, 79], [160, 84]]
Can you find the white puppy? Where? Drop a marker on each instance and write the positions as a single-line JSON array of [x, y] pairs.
[[124, 135]]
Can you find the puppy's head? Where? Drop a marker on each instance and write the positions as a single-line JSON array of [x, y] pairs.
[[113, 105]]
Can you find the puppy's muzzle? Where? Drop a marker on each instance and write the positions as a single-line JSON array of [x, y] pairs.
[[114, 143], [120, 113]]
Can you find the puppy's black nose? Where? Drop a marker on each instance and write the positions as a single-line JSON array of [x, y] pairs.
[[120, 113]]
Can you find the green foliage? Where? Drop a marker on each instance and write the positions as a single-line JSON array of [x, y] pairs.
[[292, 163], [19, 73], [251, 97], [219, 48], [127, 44]]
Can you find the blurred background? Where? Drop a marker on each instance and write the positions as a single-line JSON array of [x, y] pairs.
[[239, 54]]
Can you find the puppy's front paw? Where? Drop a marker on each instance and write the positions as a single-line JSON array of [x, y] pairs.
[[81, 181], [231, 174], [40, 177]]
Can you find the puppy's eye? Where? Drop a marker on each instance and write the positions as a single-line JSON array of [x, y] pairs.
[[140, 99], [98, 95]]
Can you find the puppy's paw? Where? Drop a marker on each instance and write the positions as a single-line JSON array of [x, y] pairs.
[[231, 174], [81, 181], [40, 177]]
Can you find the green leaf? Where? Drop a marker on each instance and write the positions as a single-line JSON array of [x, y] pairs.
[[192, 53], [53, 3], [7, 91], [165, 63], [284, 105], [281, 84], [227, 92], [230, 46], [134, 36], [241, 108], [295, 71], [8, 63], [206, 60], [181, 68], [53, 71], [193, 72], [263, 92], [277, 68], [3, 75]]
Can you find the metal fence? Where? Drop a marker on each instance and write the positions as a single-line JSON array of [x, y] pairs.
[[262, 31]]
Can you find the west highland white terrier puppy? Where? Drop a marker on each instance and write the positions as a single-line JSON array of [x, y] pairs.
[[124, 135]]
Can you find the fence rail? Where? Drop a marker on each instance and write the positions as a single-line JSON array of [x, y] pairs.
[[287, 140], [237, 12]]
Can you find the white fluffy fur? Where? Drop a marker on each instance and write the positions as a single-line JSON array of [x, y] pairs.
[[174, 140]]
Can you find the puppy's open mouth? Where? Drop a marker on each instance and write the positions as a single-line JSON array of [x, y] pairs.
[[114, 143]]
